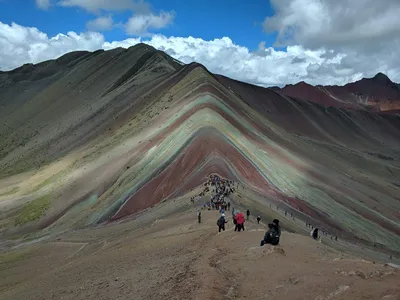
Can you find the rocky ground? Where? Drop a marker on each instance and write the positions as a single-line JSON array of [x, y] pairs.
[[163, 253]]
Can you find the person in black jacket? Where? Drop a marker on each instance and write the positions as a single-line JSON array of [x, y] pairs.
[[272, 236], [221, 223]]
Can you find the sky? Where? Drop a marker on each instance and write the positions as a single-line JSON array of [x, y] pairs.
[[262, 42]]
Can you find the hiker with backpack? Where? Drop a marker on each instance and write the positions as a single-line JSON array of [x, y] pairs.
[[221, 223], [272, 236]]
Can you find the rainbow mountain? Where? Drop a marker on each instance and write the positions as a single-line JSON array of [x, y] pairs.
[[92, 138]]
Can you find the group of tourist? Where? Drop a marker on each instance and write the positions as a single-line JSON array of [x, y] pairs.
[[222, 188]]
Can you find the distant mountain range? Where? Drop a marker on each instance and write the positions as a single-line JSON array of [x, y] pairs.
[[377, 94]]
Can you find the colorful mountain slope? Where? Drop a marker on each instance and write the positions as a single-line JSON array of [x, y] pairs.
[[105, 135]]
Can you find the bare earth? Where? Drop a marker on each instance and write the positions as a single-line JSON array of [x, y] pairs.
[[165, 254]]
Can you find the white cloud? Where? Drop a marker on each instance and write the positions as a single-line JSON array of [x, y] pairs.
[[22, 45], [265, 66], [43, 4], [365, 34], [95, 6], [100, 24], [365, 25], [140, 24]]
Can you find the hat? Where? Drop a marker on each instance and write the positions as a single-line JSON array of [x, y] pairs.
[[276, 221], [223, 215]]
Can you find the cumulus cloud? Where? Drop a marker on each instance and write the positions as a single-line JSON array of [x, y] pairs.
[[43, 4], [364, 33], [95, 6], [265, 66], [335, 24], [20, 45], [100, 24], [140, 24]]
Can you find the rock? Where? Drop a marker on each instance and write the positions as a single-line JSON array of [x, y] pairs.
[[351, 273], [231, 293], [361, 274], [279, 250], [340, 290], [273, 249], [393, 265], [294, 280], [390, 297]]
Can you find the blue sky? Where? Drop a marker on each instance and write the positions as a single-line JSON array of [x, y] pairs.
[[240, 20]]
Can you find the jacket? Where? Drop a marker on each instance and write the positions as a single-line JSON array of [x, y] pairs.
[[221, 221], [239, 218]]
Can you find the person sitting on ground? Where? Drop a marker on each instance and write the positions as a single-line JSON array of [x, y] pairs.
[[221, 223], [272, 236], [258, 219]]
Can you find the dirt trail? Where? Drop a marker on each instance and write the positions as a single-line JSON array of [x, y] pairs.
[[166, 255]]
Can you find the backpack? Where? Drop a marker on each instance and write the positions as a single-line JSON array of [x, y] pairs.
[[273, 235], [221, 221]]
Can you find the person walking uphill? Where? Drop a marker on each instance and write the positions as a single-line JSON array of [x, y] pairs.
[[248, 214], [239, 221], [199, 216], [221, 223]]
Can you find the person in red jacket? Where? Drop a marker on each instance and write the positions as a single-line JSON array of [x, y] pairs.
[[239, 221]]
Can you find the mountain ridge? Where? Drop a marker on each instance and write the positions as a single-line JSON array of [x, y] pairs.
[[378, 94], [380, 77]]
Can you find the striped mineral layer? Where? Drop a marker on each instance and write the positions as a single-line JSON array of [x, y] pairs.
[[91, 138]]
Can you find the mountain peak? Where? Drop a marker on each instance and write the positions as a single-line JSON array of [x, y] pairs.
[[381, 77], [142, 46]]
